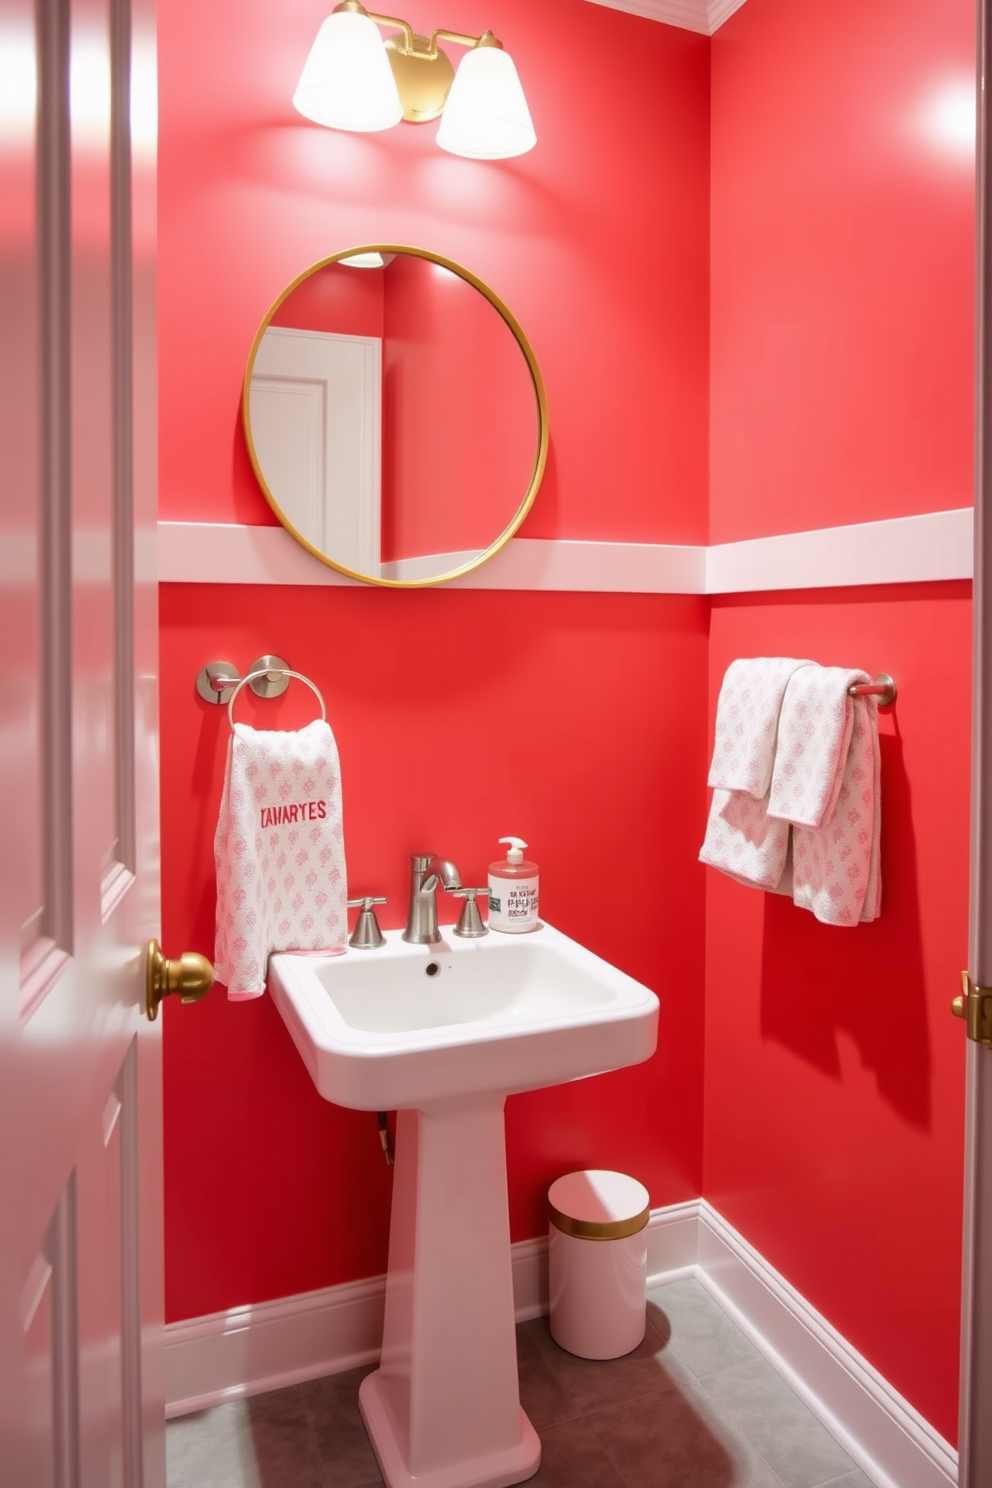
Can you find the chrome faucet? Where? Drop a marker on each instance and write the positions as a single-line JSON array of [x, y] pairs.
[[426, 872]]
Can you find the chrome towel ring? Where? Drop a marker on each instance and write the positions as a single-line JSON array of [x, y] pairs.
[[274, 672]]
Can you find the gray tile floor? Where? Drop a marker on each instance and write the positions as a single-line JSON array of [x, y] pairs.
[[696, 1406]]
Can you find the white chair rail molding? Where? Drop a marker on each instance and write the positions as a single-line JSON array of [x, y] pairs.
[[928, 548]]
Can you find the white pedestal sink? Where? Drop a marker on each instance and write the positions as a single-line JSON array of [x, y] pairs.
[[442, 1034]]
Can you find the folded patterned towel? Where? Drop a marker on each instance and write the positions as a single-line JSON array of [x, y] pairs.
[[815, 832], [747, 715], [743, 841], [836, 871], [279, 851], [814, 733]]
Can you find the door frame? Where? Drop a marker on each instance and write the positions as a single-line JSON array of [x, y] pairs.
[[975, 1419]]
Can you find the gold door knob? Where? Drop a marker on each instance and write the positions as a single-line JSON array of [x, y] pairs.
[[974, 1005], [959, 1005], [191, 976]]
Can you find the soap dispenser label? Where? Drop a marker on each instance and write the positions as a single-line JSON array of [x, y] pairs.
[[513, 903]]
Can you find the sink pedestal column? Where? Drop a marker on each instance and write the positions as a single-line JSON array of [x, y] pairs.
[[443, 1409]]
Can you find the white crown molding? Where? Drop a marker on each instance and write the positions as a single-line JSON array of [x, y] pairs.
[[703, 16], [690, 15], [253, 1349], [719, 11], [903, 550]]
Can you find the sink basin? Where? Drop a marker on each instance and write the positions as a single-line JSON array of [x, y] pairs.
[[442, 1034], [406, 1024]]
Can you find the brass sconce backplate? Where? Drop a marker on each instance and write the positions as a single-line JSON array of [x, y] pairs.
[[423, 81]]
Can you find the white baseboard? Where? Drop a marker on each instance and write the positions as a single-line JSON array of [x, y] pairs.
[[252, 1349], [673, 1242], [249, 1350], [886, 1437]]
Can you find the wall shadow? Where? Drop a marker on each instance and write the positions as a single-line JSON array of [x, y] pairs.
[[818, 981]]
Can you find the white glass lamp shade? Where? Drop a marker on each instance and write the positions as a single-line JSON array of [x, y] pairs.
[[486, 116], [364, 261], [347, 82]]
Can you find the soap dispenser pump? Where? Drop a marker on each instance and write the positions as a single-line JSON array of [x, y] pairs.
[[513, 890]]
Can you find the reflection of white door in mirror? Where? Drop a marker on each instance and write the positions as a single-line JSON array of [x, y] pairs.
[[316, 410]]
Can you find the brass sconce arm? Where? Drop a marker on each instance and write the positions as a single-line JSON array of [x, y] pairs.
[[487, 39], [401, 25], [410, 39]]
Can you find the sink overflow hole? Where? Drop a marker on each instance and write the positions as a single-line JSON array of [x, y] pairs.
[[432, 968]]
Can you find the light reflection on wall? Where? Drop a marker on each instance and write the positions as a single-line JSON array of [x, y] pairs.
[[947, 118]]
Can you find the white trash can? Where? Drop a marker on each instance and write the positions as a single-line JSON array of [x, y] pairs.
[[598, 1263]]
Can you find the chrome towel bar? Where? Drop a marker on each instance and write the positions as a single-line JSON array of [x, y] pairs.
[[883, 687]]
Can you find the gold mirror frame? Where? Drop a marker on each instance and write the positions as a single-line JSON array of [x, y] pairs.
[[532, 367]]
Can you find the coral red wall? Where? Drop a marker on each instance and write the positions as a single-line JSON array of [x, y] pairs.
[[586, 739], [842, 391], [842, 287], [834, 1071], [460, 415], [597, 241], [348, 301]]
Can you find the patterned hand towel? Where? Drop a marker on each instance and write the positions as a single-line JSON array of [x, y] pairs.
[[741, 839], [826, 783], [813, 737], [279, 852], [836, 870], [747, 715]]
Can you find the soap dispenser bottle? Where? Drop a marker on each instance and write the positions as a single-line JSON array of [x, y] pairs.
[[513, 883]]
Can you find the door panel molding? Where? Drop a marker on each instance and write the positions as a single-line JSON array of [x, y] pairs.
[[123, 434], [62, 1250], [48, 938]]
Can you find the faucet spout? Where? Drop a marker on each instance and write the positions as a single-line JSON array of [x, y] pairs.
[[443, 871], [426, 872]]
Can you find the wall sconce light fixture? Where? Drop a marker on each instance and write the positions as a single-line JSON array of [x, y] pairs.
[[353, 79]]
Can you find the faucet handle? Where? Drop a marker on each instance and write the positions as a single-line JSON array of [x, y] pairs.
[[470, 921], [366, 935]]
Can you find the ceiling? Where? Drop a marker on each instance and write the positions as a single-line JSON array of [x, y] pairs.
[[703, 16]]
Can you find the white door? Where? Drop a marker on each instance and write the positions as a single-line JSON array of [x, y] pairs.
[[81, 1380], [316, 419]]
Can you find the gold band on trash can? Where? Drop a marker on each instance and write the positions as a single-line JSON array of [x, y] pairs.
[[598, 1229]]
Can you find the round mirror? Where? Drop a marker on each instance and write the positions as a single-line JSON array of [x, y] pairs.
[[395, 415]]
